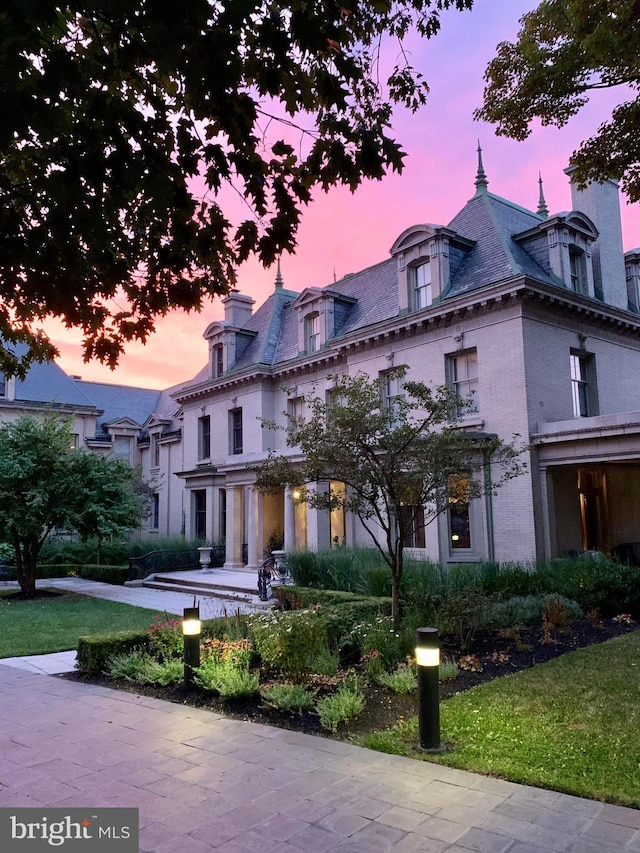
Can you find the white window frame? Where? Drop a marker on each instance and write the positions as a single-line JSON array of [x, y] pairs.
[[421, 285], [312, 332], [463, 379]]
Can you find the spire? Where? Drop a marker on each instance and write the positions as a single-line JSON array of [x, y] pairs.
[[279, 282], [542, 210], [481, 179]]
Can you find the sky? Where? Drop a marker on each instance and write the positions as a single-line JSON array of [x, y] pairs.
[[343, 232]]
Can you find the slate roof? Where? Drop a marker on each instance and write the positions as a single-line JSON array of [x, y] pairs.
[[492, 222], [119, 401], [48, 383]]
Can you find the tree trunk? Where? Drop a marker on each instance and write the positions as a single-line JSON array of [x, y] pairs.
[[395, 602], [27, 568]]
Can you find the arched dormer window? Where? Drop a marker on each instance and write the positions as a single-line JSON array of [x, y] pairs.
[[217, 360], [420, 277], [578, 270]]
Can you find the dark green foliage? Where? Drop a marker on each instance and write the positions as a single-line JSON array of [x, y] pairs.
[[114, 552], [105, 574], [94, 652], [126, 126]]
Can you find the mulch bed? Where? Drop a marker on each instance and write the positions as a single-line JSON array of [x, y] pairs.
[[491, 656]]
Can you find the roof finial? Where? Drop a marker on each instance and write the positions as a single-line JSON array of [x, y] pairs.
[[279, 282], [481, 179], [542, 210]]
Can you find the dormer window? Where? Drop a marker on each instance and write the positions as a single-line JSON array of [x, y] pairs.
[[218, 361], [578, 270], [312, 332], [422, 293]]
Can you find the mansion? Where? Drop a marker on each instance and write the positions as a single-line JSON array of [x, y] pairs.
[[535, 316]]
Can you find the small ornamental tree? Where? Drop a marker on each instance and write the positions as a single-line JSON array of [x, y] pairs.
[[400, 463], [45, 483]]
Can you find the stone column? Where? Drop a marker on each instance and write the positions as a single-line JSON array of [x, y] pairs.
[[253, 528], [234, 527], [289, 520]]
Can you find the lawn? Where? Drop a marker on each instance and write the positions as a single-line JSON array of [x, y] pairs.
[[571, 725], [54, 624]]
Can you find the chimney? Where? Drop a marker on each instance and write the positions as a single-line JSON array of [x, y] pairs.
[[237, 309], [601, 203]]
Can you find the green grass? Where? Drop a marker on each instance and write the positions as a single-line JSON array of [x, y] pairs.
[[570, 725], [54, 624]]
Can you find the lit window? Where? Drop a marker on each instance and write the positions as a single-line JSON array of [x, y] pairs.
[[235, 423], [312, 330], [463, 375], [422, 296], [459, 517], [204, 437], [583, 385], [578, 270]]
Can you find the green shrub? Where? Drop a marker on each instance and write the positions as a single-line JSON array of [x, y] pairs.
[[164, 674], [325, 663], [95, 651], [523, 610], [345, 704], [448, 670], [166, 641], [288, 697], [128, 665], [340, 619], [289, 642], [401, 680], [377, 636], [231, 681], [105, 574], [461, 613]]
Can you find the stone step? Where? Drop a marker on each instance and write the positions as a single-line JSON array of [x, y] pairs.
[[202, 592], [207, 583]]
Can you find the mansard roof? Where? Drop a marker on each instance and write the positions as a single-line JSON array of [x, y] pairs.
[[119, 401], [492, 223]]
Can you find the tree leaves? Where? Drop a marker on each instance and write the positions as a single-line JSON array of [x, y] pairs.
[[126, 121], [565, 50]]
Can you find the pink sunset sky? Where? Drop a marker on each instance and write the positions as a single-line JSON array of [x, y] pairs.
[[342, 233]]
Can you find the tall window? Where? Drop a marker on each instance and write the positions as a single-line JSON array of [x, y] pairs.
[[204, 437], [155, 451], [218, 361], [122, 448], [235, 428], [3, 385], [391, 391], [459, 516], [200, 514], [463, 375], [155, 511], [578, 270], [412, 526], [422, 296], [312, 332], [296, 407], [583, 385]]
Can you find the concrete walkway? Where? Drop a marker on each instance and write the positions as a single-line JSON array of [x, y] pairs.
[[203, 782]]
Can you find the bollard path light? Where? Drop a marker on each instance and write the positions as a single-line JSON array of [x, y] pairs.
[[428, 664], [191, 632]]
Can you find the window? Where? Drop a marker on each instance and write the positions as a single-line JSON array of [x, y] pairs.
[[155, 511], [3, 385], [459, 517], [155, 451], [583, 385], [296, 408], [218, 360], [312, 332], [200, 515], [422, 295], [204, 437], [235, 425], [391, 391], [578, 270], [412, 526], [75, 441], [122, 445], [463, 376]]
